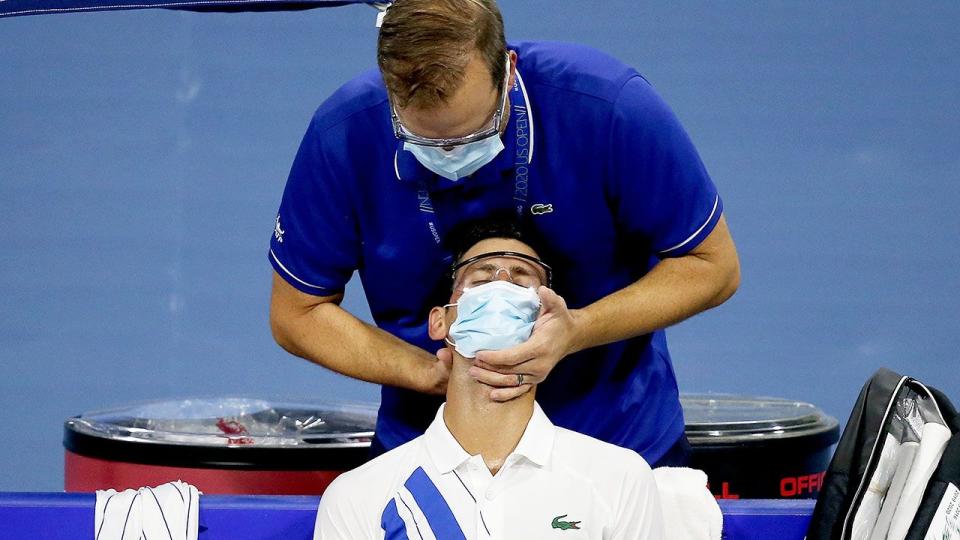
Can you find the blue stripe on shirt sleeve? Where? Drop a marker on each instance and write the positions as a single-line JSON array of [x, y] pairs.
[[434, 506], [393, 526]]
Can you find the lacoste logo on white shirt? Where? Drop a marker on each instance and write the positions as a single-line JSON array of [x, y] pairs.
[[277, 231], [539, 209]]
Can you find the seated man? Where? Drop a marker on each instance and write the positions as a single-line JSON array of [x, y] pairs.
[[487, 469]]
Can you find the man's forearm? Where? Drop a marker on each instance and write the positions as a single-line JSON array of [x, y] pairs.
[[674, 290], [328, 335]]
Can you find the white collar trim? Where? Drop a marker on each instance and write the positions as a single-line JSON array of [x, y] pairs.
[[526, 99]]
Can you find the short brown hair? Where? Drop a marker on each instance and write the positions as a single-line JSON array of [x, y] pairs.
[[425, 45]]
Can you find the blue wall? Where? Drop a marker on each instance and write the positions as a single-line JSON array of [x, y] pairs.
[[143, 154]]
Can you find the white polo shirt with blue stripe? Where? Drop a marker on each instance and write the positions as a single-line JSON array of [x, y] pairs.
[[556, 484]]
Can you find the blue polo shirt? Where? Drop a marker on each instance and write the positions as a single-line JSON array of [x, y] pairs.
[[594, 162]]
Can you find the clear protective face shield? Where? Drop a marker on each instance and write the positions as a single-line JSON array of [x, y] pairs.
[[517, 268]]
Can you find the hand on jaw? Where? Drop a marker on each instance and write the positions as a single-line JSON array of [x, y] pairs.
[[553, 338]]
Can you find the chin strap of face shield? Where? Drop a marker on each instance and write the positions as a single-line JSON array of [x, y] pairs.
[[382, 8]]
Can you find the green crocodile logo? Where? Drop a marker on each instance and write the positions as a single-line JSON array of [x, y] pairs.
[[540, 209], [564, 525]]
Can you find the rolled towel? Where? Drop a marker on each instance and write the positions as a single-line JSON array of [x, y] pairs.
[[908, 452], [169, 511], [690, 511], [932, 443], [866, 516]]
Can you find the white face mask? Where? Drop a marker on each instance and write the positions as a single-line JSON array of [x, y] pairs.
[[459, 161], [493, 316]]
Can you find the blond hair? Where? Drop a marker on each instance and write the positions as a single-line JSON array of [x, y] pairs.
[[425, 45]]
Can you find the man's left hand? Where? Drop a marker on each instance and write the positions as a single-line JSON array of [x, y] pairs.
[[554, 337]]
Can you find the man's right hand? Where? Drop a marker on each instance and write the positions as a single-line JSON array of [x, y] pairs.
[[554, 337], [318, 329]]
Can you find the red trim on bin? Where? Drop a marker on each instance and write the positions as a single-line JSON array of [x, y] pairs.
[[84, 474]]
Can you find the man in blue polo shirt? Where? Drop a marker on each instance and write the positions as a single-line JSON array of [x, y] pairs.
[[457, 125]]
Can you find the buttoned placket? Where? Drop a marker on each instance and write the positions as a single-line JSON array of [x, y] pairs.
[[486, 490], [476, 479]]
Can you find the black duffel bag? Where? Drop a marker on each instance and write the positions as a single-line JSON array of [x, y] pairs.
[[896, 470]]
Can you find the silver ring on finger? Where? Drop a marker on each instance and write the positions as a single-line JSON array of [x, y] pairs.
[[519, 379]]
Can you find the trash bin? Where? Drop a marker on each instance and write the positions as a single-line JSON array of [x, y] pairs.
[[221, 445], [759, 447]]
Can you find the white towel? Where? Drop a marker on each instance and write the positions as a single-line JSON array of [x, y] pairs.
[[908, 451], [932, 444], [866, 516], [690, 512], [166, 512]]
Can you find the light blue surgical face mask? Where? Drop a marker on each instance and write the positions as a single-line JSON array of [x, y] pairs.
[[492, 317], [459, 161]]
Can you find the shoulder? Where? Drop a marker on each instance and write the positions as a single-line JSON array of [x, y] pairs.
[[572, 67], [388, 470], [352, 505], [372, 484], [606, 463], [362, 93]]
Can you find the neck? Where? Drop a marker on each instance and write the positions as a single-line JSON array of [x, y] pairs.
[[482, 426]]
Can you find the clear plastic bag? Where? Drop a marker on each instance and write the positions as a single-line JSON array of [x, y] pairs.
[[234, 421]]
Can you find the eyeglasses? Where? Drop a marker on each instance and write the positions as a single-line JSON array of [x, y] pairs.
[[519, 268], [402, 133]]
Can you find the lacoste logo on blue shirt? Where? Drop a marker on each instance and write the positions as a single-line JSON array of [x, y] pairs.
[[539, 209]]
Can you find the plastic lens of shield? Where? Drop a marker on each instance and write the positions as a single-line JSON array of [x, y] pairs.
[[518, 268]]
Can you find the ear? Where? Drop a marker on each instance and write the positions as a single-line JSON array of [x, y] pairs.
[[437, 324], [513, 68]]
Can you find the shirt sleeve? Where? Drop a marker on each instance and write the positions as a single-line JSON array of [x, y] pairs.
[[315, 243], [639, 515], [661, 193]]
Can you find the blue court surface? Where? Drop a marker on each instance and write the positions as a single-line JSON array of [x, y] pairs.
[[143, 155]]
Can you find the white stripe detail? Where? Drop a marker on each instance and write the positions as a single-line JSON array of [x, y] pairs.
[[410, 525], [716, 203], [289, 273], [414, 513], [396, 169], [529, 115]]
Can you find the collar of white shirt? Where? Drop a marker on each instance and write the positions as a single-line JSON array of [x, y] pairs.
[[535, 445]]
